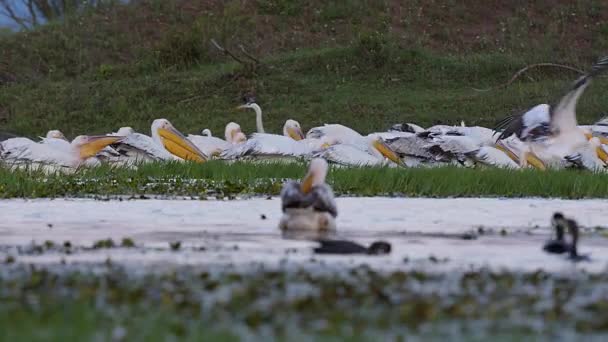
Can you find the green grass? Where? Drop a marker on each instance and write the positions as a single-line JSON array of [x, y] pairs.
[[414, 86], [222, 179], [84, 302], [355, 62]]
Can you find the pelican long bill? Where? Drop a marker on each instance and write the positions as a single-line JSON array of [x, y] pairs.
[[387, 152], [176, 143], [95, 144]]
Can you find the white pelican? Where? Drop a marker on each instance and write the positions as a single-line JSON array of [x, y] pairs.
[[339, 134], [265, 145], [481, 136], [552, 131], [166, 143], [467, 151], [293, 130], [406, 127], [310, 205], [213, 146], [58, 153], [258, 115], [520, 153], [206, 133], [55, 134], [372, 153], [273, 146]]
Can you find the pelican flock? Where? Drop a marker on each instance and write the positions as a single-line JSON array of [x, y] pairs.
[[546, 136]]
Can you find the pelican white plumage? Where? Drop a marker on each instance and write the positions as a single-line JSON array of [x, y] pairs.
[[265, 145], [293, 130], [370, 151], [338, 134], [55, 134], [166, 143], [309, 205], [206, 132], [213, 146], [406, 127], [469, 151], [553, 131], [258, 114], [56, 155]]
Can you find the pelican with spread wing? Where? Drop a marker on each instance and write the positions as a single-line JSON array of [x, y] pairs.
[[552, 131]]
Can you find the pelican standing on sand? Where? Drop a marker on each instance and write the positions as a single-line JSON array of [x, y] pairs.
[[310, 205]]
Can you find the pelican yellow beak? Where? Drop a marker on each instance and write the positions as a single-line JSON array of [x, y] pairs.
[[602, 154], [241, 107], [533, 160], [306, 184], [96, 144], [387, 152], [603, 140], [500, 146], [295, 133], [177, 144]]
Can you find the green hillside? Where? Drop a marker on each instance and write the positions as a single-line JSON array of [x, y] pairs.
[[366, 64]]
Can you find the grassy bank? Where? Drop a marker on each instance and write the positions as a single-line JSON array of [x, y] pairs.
[[222, 179], [366, 64], [113, 302]]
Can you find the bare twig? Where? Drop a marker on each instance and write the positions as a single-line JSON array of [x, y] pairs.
[[32, 10], [248, 55], [7, 11], [226, 52], [522, 71]]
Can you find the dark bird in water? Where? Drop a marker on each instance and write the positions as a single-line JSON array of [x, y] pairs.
[[559, 245], [350, 247]]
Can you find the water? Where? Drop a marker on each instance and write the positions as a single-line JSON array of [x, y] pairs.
[[432, 234]]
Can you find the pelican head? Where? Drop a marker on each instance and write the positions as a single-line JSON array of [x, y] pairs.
[[175, 142], [293, 130], [55, 134], [250, 105], [377, 144], [239, 138], [232, 130], [89, 146], [124, 131], [599, 150], [258, 114], [317, 171], [206, 132]]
